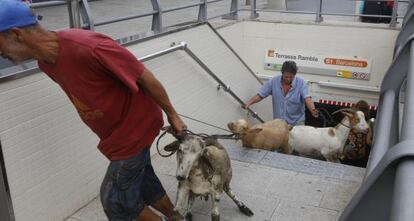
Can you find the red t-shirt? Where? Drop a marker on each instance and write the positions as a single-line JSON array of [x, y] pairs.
[[99, 77]]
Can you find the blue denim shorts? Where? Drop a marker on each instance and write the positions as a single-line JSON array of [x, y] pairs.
[[128, 186]]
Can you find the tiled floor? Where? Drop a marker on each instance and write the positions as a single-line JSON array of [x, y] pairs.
[[276, 187]]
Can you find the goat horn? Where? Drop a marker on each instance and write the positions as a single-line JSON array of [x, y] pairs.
[[172, 146], [344, 109]]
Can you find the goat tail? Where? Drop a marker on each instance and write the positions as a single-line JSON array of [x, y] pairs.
[[243, 208]]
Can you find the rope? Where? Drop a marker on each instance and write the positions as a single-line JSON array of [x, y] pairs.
[[199, 121], [231, 136], [327, 117], [158, 149]]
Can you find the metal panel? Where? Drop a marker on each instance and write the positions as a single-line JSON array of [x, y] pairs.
[[6, 208]]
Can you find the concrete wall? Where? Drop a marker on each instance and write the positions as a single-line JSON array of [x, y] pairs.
[[372, 42], [51, 159], [192, 91]]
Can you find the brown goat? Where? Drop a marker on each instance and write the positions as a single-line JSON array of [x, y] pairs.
[[272, 135]]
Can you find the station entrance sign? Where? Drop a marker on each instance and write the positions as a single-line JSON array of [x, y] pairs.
[[337, 66]]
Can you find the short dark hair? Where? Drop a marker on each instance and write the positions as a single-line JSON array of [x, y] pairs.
[[289, 66], [363, 106]]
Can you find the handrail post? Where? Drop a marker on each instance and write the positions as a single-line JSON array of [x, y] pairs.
[[74, 13], [253, 13], [202, 12], [234, 8], [156, 26], [403, 198], [393, 21], [319, 17], [86, 15], [386, 129]]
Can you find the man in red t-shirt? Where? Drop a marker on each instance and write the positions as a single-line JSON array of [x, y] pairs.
[[114, 94]]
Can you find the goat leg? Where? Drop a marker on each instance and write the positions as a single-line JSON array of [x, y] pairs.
[[215, 217], [181, 204], [243, 208], [189, 216], [215, 214]]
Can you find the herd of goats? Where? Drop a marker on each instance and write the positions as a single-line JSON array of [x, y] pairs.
[[204, 167]]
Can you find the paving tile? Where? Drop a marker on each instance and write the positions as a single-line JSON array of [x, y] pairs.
[[262, 207], [337, 196], [293, 211], [312, 166], [200, 206], [71, 219], [238, 152], [253, 156], [235, 150], [164, 165], [202, 217], [251, 180], [274, 171], [91, 212], [300, 188], [167, 181]]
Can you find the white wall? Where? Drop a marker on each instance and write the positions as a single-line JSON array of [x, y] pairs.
[[191, 89], [51, 159], [367, 42]]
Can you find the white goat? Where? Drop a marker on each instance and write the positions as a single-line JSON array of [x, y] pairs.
[[329, 141], [203, 169], [272, 135]]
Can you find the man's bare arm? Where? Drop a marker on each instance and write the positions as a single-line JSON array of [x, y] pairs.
[[154, 88], [252, 101], [311, 107]]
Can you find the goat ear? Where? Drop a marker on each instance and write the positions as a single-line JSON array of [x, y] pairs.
[[255, 130], [172, 146], [209, 142], [230, 125]]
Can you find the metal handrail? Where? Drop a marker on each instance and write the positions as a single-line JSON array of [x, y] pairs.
[[403, 194], [183, 46], [47, 4], [232, 11], [391, 163], [281, 11], [182, 7], [124, 18]]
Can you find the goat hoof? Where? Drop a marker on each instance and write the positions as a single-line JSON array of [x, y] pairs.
[[245, 210], [189, 217], [215, 217]]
